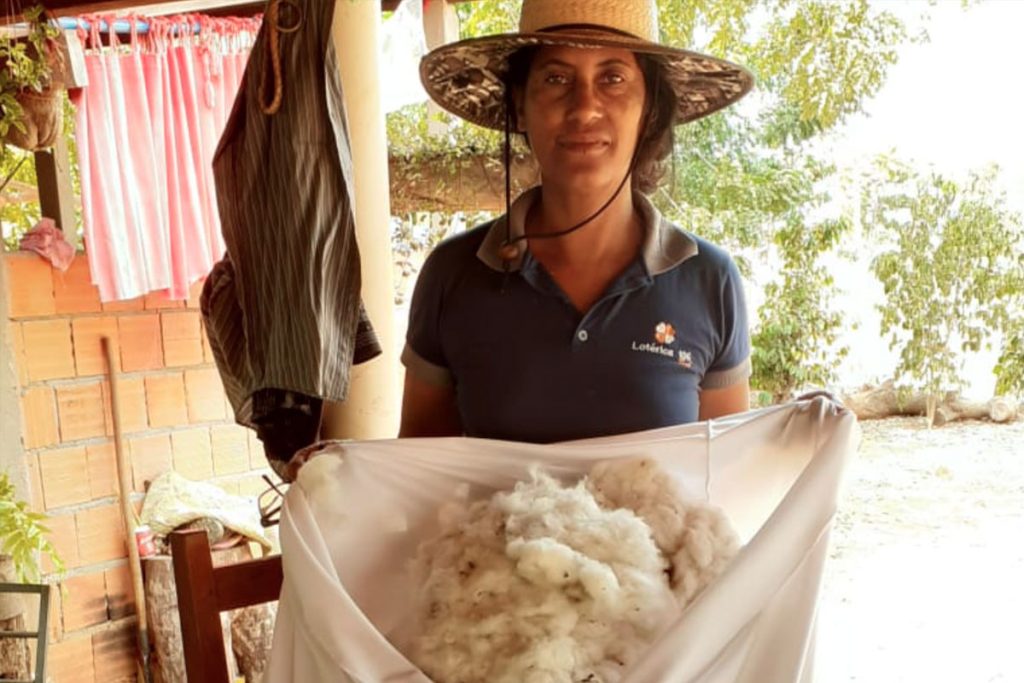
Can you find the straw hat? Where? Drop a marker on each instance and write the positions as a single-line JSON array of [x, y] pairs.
[[466, 77]]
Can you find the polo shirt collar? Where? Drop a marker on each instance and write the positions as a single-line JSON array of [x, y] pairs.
[[665, 245]]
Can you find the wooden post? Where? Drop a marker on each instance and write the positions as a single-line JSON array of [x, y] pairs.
[[371, 410], [53, 177]]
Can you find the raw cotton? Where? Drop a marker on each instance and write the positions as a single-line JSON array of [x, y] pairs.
[[697, 538], [545, 585]]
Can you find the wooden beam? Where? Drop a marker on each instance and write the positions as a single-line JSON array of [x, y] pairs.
[[469, 184], [155, 7], [53, 178]]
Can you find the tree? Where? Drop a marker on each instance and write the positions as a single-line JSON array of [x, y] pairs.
[[951, 267], [1010, 366], [795, 343]]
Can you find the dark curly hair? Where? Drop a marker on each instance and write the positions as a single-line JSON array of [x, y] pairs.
[[655, 143]]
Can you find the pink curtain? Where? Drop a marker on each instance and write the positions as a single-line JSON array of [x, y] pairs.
[[148, 124]]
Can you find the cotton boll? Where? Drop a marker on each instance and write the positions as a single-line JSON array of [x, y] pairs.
[[709, 544], [642, 486], [696, 536], [320, 478]]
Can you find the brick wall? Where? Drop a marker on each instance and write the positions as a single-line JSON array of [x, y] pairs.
[[174, 416]]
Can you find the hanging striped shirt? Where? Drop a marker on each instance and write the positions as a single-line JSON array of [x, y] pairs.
[[282, 309]]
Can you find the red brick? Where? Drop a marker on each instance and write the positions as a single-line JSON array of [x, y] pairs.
[[102, 468], [30, 285], [55, 626], [80, 408], [70, 661], [193, 454], [48, 350], [39, 418], [64, 538], [229, 487], [205, 395], [165, 400], [89, 356], [252, 486], [160, 300], [151, 456], [132, 404], [257, 456], [120, 592], [61, 470], [85, 601], [195, 292], [113, 652], [230, 449], [101, 534], [127, 306], [37, 502], [73, 291], [207, 350], [182, 339], [141, 343], [18, 351]]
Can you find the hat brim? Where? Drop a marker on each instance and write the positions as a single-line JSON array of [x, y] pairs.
[[466, 78]]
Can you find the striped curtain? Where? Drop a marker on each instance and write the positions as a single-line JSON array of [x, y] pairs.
[[158, 96]]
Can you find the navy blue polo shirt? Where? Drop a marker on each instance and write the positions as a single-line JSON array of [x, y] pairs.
[[528, 366]]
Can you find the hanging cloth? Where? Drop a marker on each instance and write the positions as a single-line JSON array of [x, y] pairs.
[[283, 310], [148, 125], [345, 608]]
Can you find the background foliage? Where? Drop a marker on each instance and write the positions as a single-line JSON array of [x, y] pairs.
[[952, 267]]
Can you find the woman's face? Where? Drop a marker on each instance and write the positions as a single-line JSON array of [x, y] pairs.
[[581, 110]]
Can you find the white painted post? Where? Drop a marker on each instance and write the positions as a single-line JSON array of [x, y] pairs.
[[372, 408]]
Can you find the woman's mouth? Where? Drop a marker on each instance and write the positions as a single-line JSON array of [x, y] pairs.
[[583, 145]]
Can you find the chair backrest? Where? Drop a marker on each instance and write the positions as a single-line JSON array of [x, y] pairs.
[[204, 591]]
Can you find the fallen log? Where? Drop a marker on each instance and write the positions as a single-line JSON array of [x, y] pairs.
[[875, 403]]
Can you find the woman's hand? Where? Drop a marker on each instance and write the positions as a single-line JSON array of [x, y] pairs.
[[290, 470]]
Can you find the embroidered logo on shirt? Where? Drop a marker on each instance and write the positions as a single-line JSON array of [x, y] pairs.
[[664, 333], [664, 336]]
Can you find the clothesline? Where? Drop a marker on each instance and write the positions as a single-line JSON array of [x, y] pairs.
[[124, 26]]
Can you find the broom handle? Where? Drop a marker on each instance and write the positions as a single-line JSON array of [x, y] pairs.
[[127, 511]]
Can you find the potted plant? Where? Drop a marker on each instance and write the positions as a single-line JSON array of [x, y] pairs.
[[22, 536], [31, 66]]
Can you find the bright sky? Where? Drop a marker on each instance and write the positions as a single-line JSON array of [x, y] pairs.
[[956, 101]]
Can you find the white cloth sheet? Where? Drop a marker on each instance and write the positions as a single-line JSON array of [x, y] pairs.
[[344, 612]]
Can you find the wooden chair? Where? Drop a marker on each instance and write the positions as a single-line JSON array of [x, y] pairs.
[[204, 591]]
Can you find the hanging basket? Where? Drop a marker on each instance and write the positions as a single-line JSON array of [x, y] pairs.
[[43, 118], [42, 110]]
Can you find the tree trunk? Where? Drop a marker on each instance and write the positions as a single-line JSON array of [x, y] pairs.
[[252, 634], [168, 662]]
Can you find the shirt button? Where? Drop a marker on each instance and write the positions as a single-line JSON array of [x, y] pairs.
[[582, 335]]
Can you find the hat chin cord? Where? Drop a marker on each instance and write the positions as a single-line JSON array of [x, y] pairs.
[[509, 251]]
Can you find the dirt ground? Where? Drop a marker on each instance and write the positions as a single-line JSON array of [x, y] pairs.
[[925, 583]]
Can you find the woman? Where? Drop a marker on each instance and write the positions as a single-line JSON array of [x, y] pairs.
[[581, 312]]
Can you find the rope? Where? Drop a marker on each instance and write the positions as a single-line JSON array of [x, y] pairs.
[[275, 61]]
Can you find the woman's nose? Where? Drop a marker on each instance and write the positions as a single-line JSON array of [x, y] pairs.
[[585, 105]]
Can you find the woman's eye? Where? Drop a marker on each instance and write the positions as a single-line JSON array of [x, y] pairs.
[[556, 79], [614, 78]]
